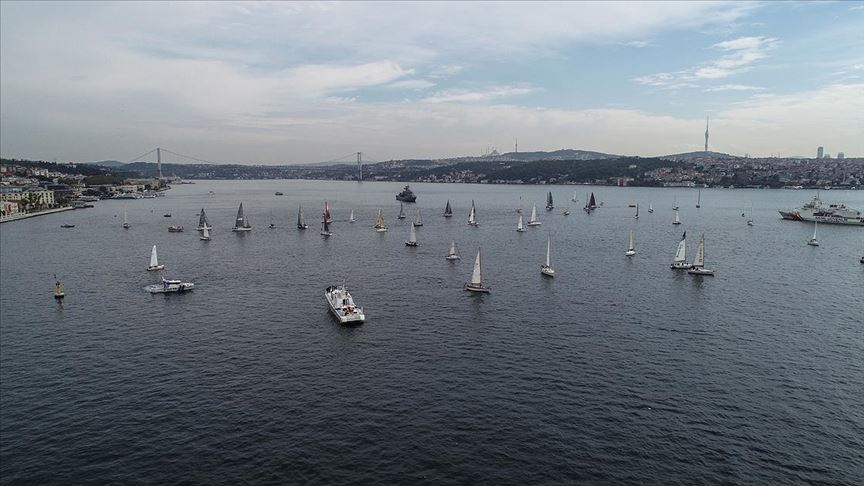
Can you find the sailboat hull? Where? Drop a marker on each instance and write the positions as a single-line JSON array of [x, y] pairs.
[[534, 223], [155, 268], [680, 266], [630, 252], [547, 272], [241, 230], [452, 258], [411, 243], [480, 290], [701, 271]]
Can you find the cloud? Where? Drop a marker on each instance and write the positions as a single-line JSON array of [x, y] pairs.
[[462, 96], [734, 87], [638, 44], [743, 53], [415, 84]]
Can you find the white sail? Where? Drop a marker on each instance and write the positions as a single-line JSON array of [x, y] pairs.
[[631, 247], [476, 275], [533, 214], [125, 219], [379, 220], [452, 248], [412, 236], [699, 261], [419, 220], [206, 233], [549, 252], [351, 217], [472, 216], [401, 211], [677, 219], [681, 253], [519, 225], [154, 259], [815, 224]]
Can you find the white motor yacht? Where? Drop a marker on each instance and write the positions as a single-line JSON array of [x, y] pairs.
[[342, 305]]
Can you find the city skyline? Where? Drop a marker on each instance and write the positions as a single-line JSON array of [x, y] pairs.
[[275, 83]]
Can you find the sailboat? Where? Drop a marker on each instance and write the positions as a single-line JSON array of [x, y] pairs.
[[379, 222], [351, 217], [680, 261], [677, 219], [301, 221], [566, 212], [412, 236], [448, 211], [549, 205], [546, 268], [698, 267], [202, 221], [401, 211], [533, 221], [590, 204], [419, 220], [476, 283], [519, 209], [574, 198], [154, 261], [520, 228], [636, 216], [750, 219], [472, 216], [272, 225], [675, 203], [58, 289], [631, 249], [813, 241], [205, 234], [452, 255], [325, 222], [125, 220], [327, 215], [650, 207], [241, 223], [699, 199]]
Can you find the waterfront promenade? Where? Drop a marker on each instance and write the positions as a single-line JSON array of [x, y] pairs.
[[17, 216]]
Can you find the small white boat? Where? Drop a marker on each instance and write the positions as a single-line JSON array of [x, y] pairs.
[[452, 255], [379, 222], [412, 236], [170, 286], [520, 228], [566, 212], [205, 234], [241, 224], [301, 221], [154, 261], [418, 221], [546, 269], [698, 267], [631, 249], [534, 221], [750, 219], [472, 215], [813, 241], [680, 261], [125, 220], [650, 208], [342, 305], [476, 282], [175, 228], [677, 219], [351, 217], [401, 211]]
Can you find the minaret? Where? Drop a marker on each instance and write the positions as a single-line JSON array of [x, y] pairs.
[[517, 145], [706, 133]]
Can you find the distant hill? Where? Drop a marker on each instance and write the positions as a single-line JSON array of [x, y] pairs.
[[107, 163], [563, 154], [698, 155]]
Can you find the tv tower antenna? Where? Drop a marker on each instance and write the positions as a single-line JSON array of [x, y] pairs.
[[706, 133]]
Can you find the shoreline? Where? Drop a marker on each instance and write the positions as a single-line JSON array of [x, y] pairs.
[[19, 216]]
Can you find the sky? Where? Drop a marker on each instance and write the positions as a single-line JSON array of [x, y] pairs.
[[288, 82]]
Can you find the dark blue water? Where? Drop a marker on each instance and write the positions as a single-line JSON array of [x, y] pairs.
[[618, 371]]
